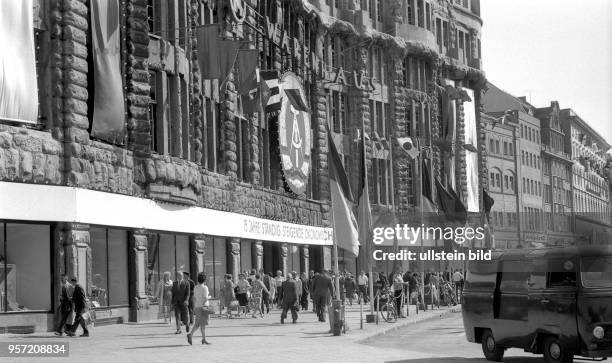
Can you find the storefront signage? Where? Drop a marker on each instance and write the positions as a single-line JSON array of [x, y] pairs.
[[354, 78], [294, 136], [271, 231]]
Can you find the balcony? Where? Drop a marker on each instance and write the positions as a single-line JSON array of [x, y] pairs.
[[548, 149]]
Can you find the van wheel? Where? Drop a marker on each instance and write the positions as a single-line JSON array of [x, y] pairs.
[[555, 352], [491, 350]]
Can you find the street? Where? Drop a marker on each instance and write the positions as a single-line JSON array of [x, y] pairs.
[[440, 340], [432, 336]]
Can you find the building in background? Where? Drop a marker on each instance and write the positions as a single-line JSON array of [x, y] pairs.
[[557, 179]]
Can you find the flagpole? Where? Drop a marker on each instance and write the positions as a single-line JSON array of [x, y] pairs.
[[367, 242], [420, 184]]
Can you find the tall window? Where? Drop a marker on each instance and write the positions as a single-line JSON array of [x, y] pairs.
[[166, 253], [109, 266], [26, 267]]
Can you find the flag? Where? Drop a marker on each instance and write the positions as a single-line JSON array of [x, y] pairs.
[[344, 223], [247, 71], [488, 204], [364, 209], [108, 121], [426, 181], [296, 100], [270, 93], [208, 59], [451, 205], [216, 57]]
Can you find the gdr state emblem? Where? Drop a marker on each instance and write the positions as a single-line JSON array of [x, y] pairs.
[[294, 133]]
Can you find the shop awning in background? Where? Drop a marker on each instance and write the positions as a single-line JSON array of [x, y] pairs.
[[18, 84]]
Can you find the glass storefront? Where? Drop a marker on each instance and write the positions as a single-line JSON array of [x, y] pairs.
[[215, 263], [166, 253], [109, 265], [25, 267]]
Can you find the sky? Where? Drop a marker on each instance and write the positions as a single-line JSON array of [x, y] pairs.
[[552, 50]]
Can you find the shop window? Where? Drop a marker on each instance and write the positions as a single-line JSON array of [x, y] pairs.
[[25, 266], [167, 253], [109, 266], [246, 257]]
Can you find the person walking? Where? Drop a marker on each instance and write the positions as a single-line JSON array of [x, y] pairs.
[[81, 309], [227, 295], [180, 302], [288, 297], [242, 295], [190, 307], [458, 281], [279, 279], [65, 307], [350, 287], [201, 304], [265, 297], [164, 295], [257, 292], [273, 289], [362, 283], [398, 289], [322, 291], [305, 291], [313, 277]]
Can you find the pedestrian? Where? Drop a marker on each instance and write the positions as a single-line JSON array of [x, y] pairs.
[[458, 281], [279, 279], [298, 282], [305, 291], [362, 283], [273, 288], [322, 291], [412, 288], [265, 298], [350, 287], [81, 309], [288, 297], [313, 277], [64, 309], [341, 280], [242, 295], [227, 295], [164, 294], [398, 289], [257, 291], [191, 288], [180, 302], [201, 310]]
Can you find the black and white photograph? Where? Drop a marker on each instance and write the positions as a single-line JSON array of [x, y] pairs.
[[401, 181]]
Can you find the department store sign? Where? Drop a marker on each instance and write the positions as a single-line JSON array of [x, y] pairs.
[[266, 230]]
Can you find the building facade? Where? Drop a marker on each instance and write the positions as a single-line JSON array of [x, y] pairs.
[[193, 183], [589, 183]]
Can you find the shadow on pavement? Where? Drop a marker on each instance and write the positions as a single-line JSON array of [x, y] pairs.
[[533, 359], [158, 346]]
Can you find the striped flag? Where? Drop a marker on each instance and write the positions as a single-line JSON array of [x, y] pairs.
[[365, 210], [270, 92], [344, 223]]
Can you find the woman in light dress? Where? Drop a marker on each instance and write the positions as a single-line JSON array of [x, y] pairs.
[[257, 289], [164, 294]]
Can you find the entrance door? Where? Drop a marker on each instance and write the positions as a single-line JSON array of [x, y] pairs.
[[315, 258], [271, 257]]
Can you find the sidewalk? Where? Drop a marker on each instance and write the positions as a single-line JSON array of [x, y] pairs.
[[242, 339]]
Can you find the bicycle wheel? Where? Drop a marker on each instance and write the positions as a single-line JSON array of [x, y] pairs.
[[388, 313]]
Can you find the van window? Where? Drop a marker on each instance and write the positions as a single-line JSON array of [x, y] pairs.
[[597, 271], [562, 273], [514, 276], [481, 275], [537, 280]]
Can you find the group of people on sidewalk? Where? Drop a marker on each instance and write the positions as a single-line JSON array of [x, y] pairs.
[[73, 309]]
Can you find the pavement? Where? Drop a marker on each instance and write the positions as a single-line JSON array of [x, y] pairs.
[[243, 339]]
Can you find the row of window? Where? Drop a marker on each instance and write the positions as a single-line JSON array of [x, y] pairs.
[[530, 159], [494, 147], [495, 180], [532, 187], [416, 73], [557, 222], [504, 219], [532, 219], [530, 133]]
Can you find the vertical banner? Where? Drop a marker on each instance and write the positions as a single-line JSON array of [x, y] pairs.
[[18, 84], [471, 157], [109, 109]]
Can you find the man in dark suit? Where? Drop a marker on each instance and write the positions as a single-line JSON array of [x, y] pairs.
[[65, 306], [288, 296], [322, 291], [180, 302], [305, 291], [79, 299], [191, 306]]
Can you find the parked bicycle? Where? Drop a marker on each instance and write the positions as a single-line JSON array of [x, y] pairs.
[[387, 307]]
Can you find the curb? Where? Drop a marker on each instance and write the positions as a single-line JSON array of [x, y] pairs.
[[411, 320]]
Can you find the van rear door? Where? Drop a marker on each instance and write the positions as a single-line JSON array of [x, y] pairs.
[[510, 304]]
